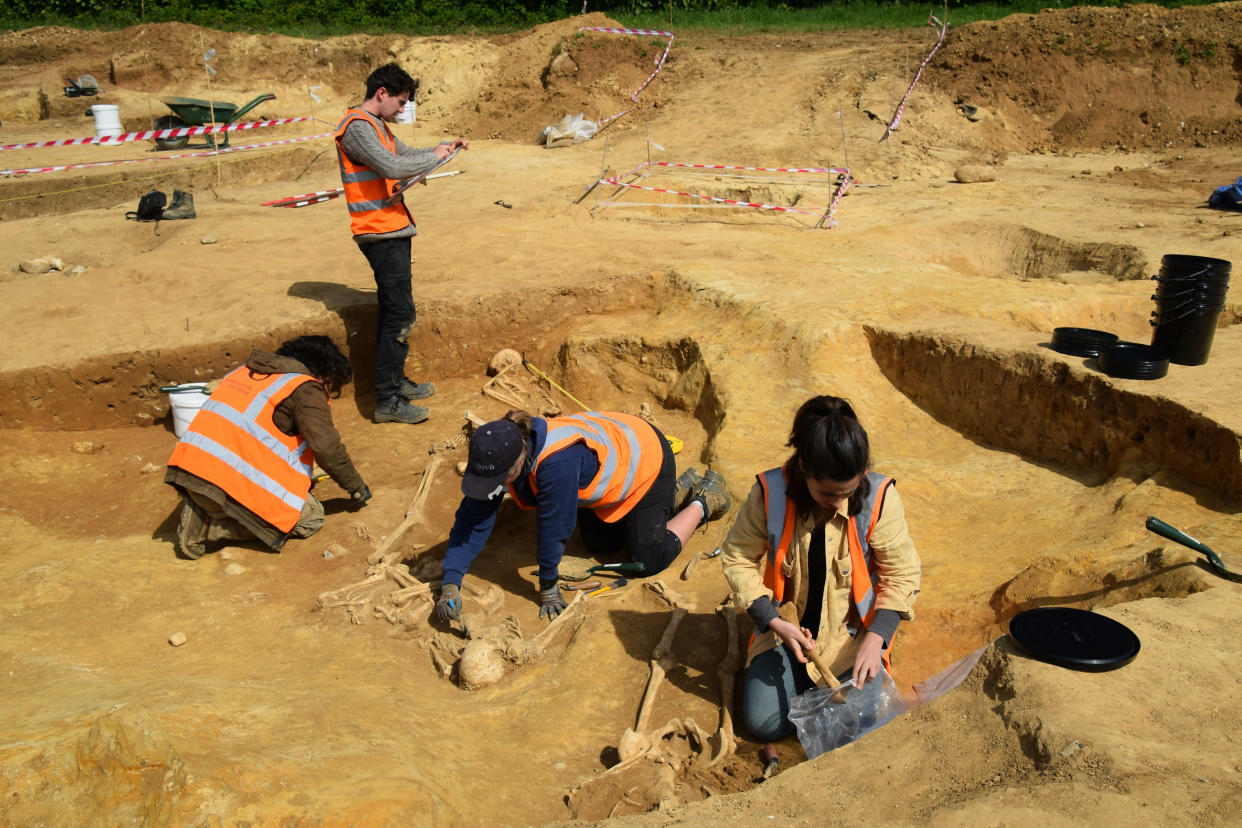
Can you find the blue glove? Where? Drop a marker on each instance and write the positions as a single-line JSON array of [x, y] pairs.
[[448, 607], [551, 602]]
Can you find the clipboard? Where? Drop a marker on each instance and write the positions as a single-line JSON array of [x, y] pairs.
[[402, 186]]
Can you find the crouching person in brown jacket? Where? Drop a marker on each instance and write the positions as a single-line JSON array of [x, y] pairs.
[[243, 466]]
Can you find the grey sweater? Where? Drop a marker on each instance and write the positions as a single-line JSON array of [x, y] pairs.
[[362, 145]]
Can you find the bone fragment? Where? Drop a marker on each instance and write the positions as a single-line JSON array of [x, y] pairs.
[[726, 743], [661, 663]]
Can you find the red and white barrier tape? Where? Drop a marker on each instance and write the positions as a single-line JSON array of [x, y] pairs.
[[833, 170], [716, 199], [146, 135], [829, 219], [202, 154], [659, 63], [944, 29]]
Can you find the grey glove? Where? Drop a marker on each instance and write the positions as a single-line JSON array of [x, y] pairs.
[[360, 495], [551, 602], [448, 607]]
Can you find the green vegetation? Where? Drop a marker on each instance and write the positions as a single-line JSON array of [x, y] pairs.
[[318, 18]]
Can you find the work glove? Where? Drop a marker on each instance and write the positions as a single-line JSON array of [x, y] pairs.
[[360, 495], [448, 607], [551, 602]]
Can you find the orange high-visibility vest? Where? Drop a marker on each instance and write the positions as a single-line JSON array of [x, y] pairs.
[[234, 443], [629, 454], [781, 520], [365, 188]]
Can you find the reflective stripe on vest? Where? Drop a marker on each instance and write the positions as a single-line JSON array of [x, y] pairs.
[[780, 527], [629, 454], [233, 442], [365, 188]]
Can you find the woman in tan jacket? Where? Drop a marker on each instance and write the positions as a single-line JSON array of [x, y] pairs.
[[821, 559]]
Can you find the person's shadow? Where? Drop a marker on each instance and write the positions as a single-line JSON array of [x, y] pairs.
[[357, 311]]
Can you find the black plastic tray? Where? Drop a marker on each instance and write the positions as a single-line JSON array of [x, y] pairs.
[[1075, 638]]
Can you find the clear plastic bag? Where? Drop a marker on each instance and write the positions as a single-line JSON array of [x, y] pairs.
[[573, 129], [824, 724]]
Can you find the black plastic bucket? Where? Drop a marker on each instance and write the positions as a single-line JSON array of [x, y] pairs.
[[1179, 266], [1186, 334], [1189, 297], [1174, 290]]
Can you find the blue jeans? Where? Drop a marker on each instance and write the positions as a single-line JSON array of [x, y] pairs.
[[772, 680], [394, 316]]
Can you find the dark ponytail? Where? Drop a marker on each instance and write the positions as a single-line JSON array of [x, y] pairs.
[[829, 444]]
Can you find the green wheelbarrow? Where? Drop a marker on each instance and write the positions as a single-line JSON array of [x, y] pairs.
[[198, 112]]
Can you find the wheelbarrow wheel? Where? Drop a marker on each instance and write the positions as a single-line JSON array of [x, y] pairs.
[[170, 122]]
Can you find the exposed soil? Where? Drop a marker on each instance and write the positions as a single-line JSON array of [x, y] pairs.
[[1027, 474]]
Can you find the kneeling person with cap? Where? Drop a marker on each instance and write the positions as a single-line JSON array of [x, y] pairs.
[[243, 466], [610, 474]]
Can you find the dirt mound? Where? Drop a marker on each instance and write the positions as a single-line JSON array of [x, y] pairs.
[[556, 70], [1139, 77]]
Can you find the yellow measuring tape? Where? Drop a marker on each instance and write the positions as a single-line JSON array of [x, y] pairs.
[[675, 443]]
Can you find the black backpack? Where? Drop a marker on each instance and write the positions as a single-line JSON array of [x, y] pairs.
[[150, 207]]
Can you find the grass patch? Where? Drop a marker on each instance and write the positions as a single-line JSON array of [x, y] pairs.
[[853, 14]]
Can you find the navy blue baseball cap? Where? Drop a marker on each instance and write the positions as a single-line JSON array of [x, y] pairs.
[[494, 448]]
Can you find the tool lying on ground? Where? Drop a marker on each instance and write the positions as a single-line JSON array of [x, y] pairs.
[[685, 573], [1166, 531], [607, 588], [589, 585], [771, 763], [626, 567]]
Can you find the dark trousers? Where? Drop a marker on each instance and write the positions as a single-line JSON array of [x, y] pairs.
[[394, 316], [643, 532]]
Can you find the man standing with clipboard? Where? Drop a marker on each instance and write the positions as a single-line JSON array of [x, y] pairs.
[[374, 167]]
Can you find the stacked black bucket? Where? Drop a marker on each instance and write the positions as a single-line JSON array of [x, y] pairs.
[[1190, 295]]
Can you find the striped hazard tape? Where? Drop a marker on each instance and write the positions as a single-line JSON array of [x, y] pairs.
[[149, 134], [659, 63], [901, 107], [201, 154], [830, 170]]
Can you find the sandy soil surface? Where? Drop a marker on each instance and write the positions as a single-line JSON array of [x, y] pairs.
[[1027, 474]]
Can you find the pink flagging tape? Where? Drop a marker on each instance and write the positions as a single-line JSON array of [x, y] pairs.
[[617, 183], [148, 134], [832, 170], [944, 29], [659, 63], [202, 154]]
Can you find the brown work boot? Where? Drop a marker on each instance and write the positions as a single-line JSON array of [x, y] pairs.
[[713, 495], [684, 486], [192, 529]]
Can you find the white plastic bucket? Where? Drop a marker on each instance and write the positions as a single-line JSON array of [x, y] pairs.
[[408, 113], [186, 400], [107, 121]]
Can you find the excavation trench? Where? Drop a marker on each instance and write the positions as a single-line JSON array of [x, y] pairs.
[[604, 346]]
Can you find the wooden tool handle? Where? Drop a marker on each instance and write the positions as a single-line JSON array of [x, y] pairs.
[[790, 613]]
